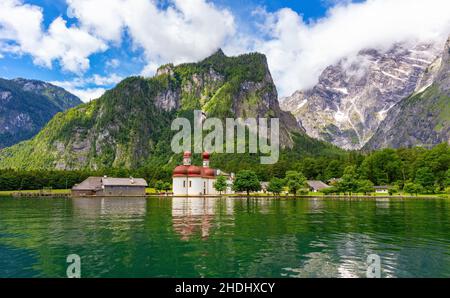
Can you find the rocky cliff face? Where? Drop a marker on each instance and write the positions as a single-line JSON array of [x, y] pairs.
[[129, 126], [27, 105], [422, 119], [354, 96]]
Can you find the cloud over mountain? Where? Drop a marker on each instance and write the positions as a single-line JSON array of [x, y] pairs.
[[177, 31], [299, 50]]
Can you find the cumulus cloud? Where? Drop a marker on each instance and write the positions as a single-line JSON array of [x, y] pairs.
[[22, 32], [90, 87], [298, 51], [181, 32], [87, 94]]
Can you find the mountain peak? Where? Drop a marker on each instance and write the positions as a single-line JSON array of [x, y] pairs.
[[219, 53]]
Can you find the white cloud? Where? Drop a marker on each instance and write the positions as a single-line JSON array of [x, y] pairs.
[[21, 29], [104, 80], [299, 51], [149, 69], [184, 31], [87, 94], [91, 87], [189, 30]]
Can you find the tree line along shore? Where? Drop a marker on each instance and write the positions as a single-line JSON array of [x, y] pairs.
[[414, 171]]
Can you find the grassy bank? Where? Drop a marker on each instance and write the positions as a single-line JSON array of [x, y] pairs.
[[8, 193]]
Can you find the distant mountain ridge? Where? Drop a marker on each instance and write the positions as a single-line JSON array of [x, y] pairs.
[[354, 96], [129, 126], [27, 105]]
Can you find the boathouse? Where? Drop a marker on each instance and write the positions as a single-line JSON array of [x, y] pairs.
[[316, 185], [108, 186]]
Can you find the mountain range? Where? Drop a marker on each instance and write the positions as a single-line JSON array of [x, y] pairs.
[[395, 98], [27, 105], [422, 118], [129, 126], [352, 99]]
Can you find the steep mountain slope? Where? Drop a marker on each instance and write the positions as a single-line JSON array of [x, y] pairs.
[[354, 96], [422, 119], [57, 95], [27, 105], [129, 126]]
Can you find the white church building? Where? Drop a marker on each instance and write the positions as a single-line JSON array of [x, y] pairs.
[[191, 180]]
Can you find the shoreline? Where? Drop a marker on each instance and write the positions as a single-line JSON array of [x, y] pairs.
[[66, 194]]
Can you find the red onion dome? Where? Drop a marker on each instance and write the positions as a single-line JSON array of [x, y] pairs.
[[187, 154], [180, 171], [194, 171], [208, 172], [206, 155]]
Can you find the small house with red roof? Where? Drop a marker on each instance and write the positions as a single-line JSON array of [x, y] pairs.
[[191, 180]]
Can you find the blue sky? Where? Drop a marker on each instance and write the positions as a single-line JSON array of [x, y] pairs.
[[93, 46], [22, 66], [12, 66]]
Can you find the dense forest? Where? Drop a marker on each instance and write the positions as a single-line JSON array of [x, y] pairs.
[[428, 168]]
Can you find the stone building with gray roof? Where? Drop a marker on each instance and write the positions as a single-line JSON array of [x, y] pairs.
[[108, 186], [316, 185]]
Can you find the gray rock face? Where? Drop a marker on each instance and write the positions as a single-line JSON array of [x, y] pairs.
[[354, 96], [167, 100], [443, 77], [422, 119], [267, 107], [252, 99]]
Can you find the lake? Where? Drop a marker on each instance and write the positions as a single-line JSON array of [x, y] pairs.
[[224, 237]]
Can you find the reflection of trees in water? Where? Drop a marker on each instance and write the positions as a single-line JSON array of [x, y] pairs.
[[31, 229], [342, 255], [15, 262], [234, 237]]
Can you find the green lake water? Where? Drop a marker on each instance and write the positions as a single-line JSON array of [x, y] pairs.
[[197, 237]]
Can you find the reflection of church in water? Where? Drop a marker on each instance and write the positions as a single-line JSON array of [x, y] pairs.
[[195, 216]]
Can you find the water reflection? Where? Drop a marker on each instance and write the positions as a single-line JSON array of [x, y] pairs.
[[197, 214], [382, 203], [316, 205], [122, 207], [225, 237]]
